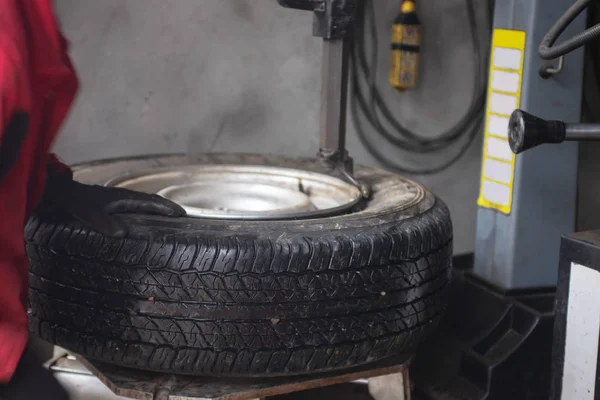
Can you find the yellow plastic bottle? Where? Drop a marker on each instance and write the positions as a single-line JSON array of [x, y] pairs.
[[406, 46]]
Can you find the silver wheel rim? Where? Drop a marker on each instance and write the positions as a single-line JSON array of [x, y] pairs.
[[245, 191]]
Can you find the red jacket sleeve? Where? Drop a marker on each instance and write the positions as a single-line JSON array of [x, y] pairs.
[[30, 48], [14, 118], [8, 90], [14, 110], [15, 90]]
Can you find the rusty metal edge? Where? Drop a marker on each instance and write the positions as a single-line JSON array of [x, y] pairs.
[[309, 384], [134, 394], [277, 389]]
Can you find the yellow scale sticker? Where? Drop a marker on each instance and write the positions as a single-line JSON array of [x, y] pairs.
[[504, 96]]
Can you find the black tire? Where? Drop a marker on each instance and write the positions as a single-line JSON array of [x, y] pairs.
[[231, 298]]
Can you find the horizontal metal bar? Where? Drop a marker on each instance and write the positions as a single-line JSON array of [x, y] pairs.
[[582, 132]]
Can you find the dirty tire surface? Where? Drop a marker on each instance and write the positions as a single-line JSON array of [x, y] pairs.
[[233, 298]]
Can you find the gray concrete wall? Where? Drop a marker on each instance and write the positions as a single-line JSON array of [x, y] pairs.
[[244, 76]]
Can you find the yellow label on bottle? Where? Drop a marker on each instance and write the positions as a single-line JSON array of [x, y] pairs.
[[397, 34], [404, 71], [504, 96], [411, 35]]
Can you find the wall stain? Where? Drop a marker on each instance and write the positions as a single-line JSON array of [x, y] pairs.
[[169, 138], [243, 10], [220, 130], [245, 116]]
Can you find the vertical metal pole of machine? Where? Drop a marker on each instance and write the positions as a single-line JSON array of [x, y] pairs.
[[526, 202], [334, 94]]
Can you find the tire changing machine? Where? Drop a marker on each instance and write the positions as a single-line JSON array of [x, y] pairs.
[[386, 380], [496, 339]]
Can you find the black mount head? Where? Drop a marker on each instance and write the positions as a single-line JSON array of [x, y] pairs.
[[526, 131]]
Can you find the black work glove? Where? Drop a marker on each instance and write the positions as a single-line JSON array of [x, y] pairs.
[[95, 206], [32, 381]]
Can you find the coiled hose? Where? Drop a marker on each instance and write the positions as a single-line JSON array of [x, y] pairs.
[[548, 51]]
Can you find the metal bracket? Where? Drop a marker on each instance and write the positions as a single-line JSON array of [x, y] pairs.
[[333, 18], [308, 5], [340, 164], [547, 70]]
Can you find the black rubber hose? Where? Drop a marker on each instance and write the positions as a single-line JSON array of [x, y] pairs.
[[371, 104], [408, 140], [454, 133], [393, 166], [548, 51], [359, 102]]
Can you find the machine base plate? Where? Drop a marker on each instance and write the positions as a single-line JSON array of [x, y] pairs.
[[491, 344]]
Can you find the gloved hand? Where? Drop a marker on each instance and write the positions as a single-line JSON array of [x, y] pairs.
[[32, 381], [95, 206]]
